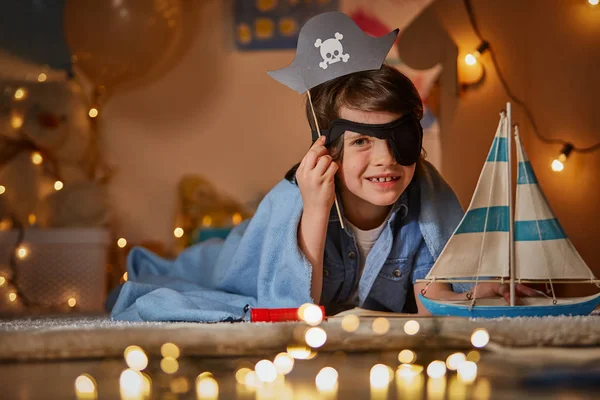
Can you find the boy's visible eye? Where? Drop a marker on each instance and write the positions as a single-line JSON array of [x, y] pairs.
[[359, 142]]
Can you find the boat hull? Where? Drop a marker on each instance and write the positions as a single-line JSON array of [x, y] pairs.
[[497, 308]]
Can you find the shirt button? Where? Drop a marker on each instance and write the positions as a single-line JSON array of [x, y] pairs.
[[397, 273], [325, 272], [352, 255]]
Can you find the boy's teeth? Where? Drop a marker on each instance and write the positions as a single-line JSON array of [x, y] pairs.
[[388, 179]]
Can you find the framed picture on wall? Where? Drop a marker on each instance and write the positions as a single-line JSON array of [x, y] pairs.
[[274, 24]]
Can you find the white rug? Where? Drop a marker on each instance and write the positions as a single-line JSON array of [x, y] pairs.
[[84, 337]]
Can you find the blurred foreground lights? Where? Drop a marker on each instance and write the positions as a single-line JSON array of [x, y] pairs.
[[408, 371], [136, 358], [265, 371], [381, 375], [207, 388], [300, 352], [326, 379], [179, 385], [131, 384], [411, 327], [381, 325], [122, 242], [315, 337], [436, 369], [284, 363], [467, 372], [22, 252], [93, 113], [16, 121], [251, 380], [236, 219], [37, 158], [350, 323], [86, 387], [240, 375], [593, 2], [72, 302], [58, 185], [12, 296], [474, 356], [407, 356], [178, 232], [480, 338], [311, 314], [454, 361], [169, 365], [170, 350]]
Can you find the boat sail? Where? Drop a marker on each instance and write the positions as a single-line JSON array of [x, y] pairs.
[[489, 246]]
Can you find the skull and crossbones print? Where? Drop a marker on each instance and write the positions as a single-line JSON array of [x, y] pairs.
[[332, 50]]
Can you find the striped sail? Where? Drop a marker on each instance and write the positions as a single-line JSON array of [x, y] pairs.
[[480, 243], [542, 249]]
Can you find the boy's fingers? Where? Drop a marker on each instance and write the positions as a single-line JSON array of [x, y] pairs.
[[322, 164]]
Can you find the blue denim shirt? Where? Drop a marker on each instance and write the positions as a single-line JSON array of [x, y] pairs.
[[397, 259]]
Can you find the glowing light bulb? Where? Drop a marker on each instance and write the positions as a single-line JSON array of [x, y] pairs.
[[474, 356], [72, 302], [122, 242], [93, 113], [22, 252], [125, 277], [480, 338], [169, 365], [381, 325], [2, 189], [326, 379], [381, 375], [170, 350], [240, 375], [470, 59], [85, 387], [454, 361], [58, 185], [42, 77], [407, 356], [236, 218], [36, 158], [12, 296], [20, 94], [557, 166], [16, 121], [131, 384], [284, 363], [436, 369], [32, 219], [315, 337], [207, 221], [467, 372], [207, 388], [311, 314], [265, 371], [2, 281], [408, 371], [593, 2], [178, 232], [299, 352], [411, 327], [136, 358], [350, 323]]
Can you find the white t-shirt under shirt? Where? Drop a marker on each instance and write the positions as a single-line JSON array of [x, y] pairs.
[[365, 241]]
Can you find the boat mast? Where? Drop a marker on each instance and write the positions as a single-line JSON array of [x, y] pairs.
[[511, 246]]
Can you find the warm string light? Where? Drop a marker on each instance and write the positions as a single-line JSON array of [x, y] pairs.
[[36, 158], [472, 58], [559, 163], [58, 185], [93, 112], [16, 121], [20, 94], [593, 2], [2, 189], [122, 242], [178, 232]]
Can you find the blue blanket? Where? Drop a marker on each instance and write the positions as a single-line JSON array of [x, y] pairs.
[[259, 263]]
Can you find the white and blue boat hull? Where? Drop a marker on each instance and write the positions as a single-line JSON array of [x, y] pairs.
[[496, 308]]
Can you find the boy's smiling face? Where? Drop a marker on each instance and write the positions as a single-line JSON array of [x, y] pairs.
[[370, 175]]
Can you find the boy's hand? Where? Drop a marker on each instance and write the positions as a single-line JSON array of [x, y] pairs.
[[315, 176], [491, 289]]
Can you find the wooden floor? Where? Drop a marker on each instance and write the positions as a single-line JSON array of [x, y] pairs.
[[496, 379]]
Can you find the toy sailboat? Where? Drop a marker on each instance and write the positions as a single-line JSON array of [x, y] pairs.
[[490, 245]]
